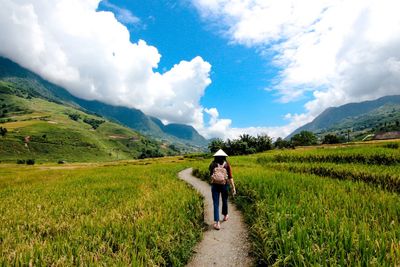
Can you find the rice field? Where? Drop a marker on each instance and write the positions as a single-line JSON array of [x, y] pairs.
[[133, 213], [319, 206], [325, 212]]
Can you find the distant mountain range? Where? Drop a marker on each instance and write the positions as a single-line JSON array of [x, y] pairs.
[[183, 135], [360, 119]]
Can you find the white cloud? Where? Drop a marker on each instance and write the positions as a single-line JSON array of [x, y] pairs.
[[70, 43], [222, 127], [340, 50], [90, 53], [123, 15], [216, 127]]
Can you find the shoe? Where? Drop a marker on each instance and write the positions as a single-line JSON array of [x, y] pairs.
[[226, 217], [217, 226]]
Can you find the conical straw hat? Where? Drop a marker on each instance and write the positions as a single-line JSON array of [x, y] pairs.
[[220, 153]]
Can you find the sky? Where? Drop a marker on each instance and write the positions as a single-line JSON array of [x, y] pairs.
[[224, 67]]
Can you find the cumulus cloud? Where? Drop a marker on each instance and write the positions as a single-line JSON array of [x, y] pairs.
[[337, 50], [216, 127], [341, 51], [89, 52]]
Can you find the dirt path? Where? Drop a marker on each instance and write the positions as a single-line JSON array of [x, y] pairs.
[[226, 247]]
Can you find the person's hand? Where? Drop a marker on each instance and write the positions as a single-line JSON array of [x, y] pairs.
[[234, 191]]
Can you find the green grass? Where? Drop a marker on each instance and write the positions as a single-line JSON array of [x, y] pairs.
[[134, 213], [385, 177], [301, 219], [374, 154], [376, 163], [304, 219]]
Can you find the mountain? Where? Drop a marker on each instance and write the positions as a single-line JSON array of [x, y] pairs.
[[182, 135], [362, 118], [133, 118], [181, 131], [48, 131]]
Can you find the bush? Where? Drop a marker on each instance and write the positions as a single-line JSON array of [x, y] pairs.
[[304, 138], [281, 143], [3, 131], [30, 162], [93, 122], [150, 153], [331, 139], [203, 174], [20, 161], [74, 116], [391, 145]]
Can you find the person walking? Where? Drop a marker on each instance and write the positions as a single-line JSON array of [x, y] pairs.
[[221, 181]]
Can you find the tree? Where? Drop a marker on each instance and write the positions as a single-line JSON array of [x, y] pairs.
[[3, 131], [250, 140], [348, 134], [30, 161], [263, 143], [151, 153], [304, 138], [245, 144], [239, 147], [216, 145], [93, 122], [281, 143], [331, 139], [74, 116]]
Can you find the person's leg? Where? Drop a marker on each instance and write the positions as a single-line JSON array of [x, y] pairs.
[[224, 194], [215, 197]]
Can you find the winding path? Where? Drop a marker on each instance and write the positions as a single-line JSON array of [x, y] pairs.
[[226, 247]]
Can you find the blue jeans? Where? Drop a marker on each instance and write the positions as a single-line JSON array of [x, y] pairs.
[[216, 190]]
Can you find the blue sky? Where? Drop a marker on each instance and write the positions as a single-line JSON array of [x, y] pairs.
[[209, 63], [239, 74]]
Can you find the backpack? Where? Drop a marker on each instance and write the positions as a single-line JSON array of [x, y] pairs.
[[220, 174]]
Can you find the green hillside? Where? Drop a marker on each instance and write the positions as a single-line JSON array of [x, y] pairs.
[[50, 132], [185, 137], [357, 119]]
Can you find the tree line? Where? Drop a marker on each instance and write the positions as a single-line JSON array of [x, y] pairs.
[[247, 144]]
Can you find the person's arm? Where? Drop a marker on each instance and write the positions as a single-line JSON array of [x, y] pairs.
[[211, 168], [232, 183], [230, 178], [228, 170]]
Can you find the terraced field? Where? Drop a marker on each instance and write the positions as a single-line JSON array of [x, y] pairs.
[[128, 213], [321, 206], [63, 133]]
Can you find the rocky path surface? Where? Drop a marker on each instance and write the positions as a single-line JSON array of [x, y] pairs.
[[226, 247]]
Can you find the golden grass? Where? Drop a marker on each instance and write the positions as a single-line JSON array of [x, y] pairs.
[[134, 213]]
